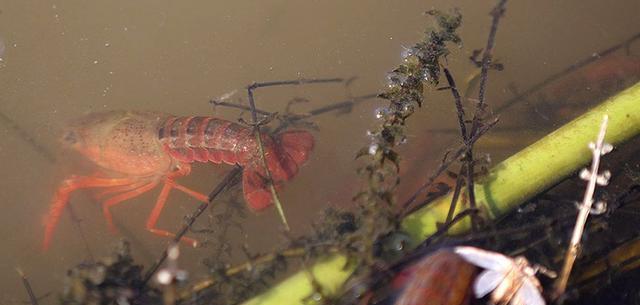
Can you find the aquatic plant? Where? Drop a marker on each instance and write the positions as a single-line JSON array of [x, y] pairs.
[[349, 241]]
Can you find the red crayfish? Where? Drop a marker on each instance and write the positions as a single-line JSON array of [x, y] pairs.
[[136, 151]]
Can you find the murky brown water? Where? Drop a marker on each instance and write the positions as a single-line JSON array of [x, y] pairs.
[[63, 59]]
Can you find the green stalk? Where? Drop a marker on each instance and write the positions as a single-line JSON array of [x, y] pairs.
[[539, 166], [508, 184], [272, 189]]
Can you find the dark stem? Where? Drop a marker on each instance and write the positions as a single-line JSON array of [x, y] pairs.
[[444, 165], [301, 81], [545, 222], [78, 223], [469, 162], [479, 114], [27, 286], [238, 106], [28, 138], [468, 156], [231, 176], [346, 104], [258, 135], [487, 57], [455, 197], [255, 86], [458, 102]]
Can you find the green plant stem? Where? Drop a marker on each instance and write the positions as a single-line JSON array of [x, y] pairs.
[[272, 189], [508, 184], [539, 166]]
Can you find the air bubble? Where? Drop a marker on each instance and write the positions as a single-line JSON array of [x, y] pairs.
[[381, 112], [373, 148]]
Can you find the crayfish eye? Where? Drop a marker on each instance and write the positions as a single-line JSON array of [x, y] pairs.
[[70, 137]]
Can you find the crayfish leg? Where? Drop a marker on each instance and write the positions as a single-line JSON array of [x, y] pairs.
[[106, 206], [100, 196], [61, 198], [157, 210]]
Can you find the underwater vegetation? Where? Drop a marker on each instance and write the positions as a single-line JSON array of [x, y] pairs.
[[483, 238]]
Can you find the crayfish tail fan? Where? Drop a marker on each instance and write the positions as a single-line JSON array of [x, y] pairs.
[[297, 144], [284, 157], [255, 189]]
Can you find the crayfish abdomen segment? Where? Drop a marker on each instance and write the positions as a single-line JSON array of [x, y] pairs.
[[207, 139]]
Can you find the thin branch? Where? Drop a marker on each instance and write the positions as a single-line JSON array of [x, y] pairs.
[[487, 57], [256, 125], [238, 106], [346, 104], [458, 102], [258, 136], [192, 219], [545, 222], [478, 115], [27, 286], [295, 82], [465, 139], [272, 189], [78, 223], [28, 138], [598, 149], [455, 197], [444, 165]]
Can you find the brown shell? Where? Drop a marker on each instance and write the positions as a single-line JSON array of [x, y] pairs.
[[442, 278]]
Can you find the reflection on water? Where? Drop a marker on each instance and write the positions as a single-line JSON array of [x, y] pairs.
[[71, 58]]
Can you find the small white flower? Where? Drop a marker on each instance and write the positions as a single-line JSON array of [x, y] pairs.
[[511, 280]]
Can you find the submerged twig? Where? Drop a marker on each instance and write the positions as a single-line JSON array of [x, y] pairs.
[[170, 275], [479, 114], [192, 219], [458, 103], [28, 138], [344, 106], [408, 206], [27, 286], [592, 175], [78, 223], [238, 106], [258, 135], [487, 57], [256, 125], [465, 139], [469, 137]]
